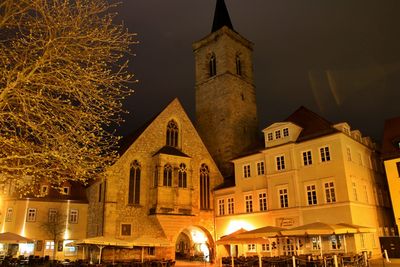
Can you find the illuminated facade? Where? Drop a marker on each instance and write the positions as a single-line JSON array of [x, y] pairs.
[[308, 171], [391, 157], [37, 218], [158, 194]]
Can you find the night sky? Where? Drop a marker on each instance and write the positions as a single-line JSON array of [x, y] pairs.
[[339, 58]]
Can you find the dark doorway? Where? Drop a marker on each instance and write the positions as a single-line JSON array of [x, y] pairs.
[[392, 245]]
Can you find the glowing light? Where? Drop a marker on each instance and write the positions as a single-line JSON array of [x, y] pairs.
[[198, 236], [66, 232], [26, 212], [235, 225]]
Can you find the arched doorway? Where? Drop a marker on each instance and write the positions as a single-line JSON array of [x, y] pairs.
[[194, 244]]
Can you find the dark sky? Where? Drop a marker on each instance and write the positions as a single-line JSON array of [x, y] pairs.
[[339, 58]]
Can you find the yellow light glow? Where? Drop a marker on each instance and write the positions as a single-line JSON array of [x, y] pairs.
[[235, 225], [66, 232], [198, 237], [26, 213]]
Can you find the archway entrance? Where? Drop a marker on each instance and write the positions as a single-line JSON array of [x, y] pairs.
[[194, 244]]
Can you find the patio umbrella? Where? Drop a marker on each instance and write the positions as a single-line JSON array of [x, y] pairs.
[[359, 229], [263, 232], [318, 228], [147, 241], [101, 242], [11, 238]]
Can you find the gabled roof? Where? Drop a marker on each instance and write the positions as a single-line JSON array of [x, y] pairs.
[[391, 138], [128, 140], [313, 125], [169, 150], [221, 17]]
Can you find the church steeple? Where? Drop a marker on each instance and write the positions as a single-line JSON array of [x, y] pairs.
[[226, 111], [221, 17]]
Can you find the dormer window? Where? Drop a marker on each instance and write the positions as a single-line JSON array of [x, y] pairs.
[[285, 132], [44, 189], [270, 136], [238, 66], [213, 65], [172, 133], [65, 190], [278, 134]]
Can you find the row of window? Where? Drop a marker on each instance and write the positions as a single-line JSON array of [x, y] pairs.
[[53, 215], [134, 181], [288, 246], [212, 65], [325, 156], [283, 195], [278, 134]]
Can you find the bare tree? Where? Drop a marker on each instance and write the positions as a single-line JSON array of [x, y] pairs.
[[55, 227], [63, 78]]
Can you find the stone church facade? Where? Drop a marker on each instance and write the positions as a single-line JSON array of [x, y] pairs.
[[158, 195]]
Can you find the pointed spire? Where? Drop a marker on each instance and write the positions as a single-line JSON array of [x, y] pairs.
[[221, 17]]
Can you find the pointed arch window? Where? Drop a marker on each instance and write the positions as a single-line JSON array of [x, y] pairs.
[[167, 181], [213, 65], [182, 176], [238, 66], [204, 187], [134, 183], [172, 133]]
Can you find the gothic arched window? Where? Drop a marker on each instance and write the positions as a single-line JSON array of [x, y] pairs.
[[213, 65], [182, 176], [238, 65], [172, 133], [204, 187], [167, 181], [134, 183]]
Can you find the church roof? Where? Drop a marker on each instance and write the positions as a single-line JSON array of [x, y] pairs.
[[313, 125], [221, 17], [128, 140], [391, 138], [169, 150]]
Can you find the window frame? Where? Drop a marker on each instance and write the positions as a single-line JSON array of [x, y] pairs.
[[260, 167], [52, 215], [73, 216], [325, 154], [231, 205], [311, 195], [9, 214], [270, 136], [307, 157], [248, 203], [246, 170], [331, 189], [285, 132], [221, 206], [31, 215], [278, 134], [167, 175], [283, 196], [280, 163], [263, 201], [134, 184], [125, 230], [182, 176]]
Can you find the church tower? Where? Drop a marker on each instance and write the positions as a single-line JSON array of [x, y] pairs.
[[226, 112]]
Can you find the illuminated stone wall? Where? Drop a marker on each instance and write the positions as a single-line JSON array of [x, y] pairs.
[[162, 215], [226, 111]]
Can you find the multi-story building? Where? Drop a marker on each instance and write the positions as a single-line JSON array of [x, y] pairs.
[[308, 171], [391, 158], [51, 221]]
